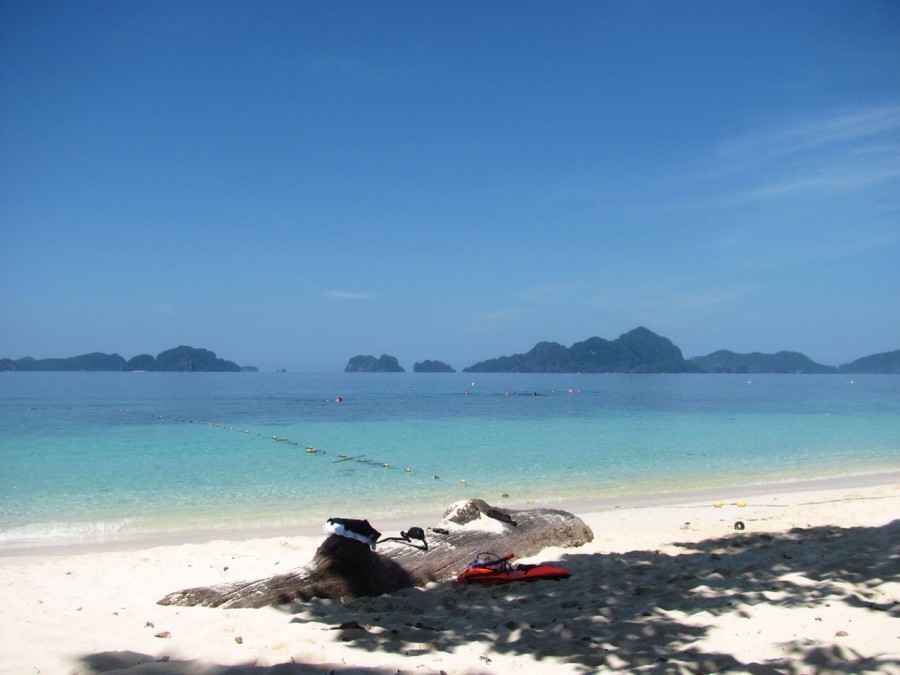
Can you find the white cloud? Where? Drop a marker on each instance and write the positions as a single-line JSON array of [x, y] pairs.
[[347, 295], [836, 151], [540, 294], [825, 132], [500, 316]]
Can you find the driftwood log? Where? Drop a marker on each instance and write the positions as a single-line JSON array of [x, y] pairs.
[[346, 568]]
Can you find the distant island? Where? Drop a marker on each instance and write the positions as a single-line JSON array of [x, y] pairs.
[[428, 366], [179, 359], [877, 364], [638, 351], [724, 361], [643, 351], [369, 364]]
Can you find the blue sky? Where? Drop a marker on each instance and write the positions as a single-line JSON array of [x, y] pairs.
[[291, 184]]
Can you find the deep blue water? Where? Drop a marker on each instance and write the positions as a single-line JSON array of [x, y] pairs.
[[86, 456]]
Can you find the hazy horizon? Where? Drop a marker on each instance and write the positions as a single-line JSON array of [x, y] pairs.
[[407, 368], [291, 184]]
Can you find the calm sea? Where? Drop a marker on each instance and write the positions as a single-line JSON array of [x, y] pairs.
[[104, 456]]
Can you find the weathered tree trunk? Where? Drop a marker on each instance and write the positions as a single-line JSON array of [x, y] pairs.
[[344, 568]]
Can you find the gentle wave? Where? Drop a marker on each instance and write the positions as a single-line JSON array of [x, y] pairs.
[[62, 533]]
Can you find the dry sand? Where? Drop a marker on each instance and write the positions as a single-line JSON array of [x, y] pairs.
[[810, 585]]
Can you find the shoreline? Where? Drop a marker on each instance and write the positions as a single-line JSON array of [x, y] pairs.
[[813, 581], [404, 519]]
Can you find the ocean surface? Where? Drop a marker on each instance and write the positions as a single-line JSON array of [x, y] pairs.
[[93, 457]]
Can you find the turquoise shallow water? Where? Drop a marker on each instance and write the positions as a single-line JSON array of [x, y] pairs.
[[101, 456]]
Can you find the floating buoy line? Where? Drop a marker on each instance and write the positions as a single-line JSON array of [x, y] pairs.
[[309, 449]]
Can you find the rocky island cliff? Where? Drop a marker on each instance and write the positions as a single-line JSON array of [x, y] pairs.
[[638, 351], [179, 359]]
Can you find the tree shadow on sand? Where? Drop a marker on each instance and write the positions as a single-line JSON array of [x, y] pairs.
[[641, 610], [144, 664], [644, 609]]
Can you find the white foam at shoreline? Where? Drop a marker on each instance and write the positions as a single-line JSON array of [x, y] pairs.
[[60, 532]]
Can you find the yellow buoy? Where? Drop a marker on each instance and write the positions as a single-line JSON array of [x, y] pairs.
[[742, 503], [718, 505], [463, 481], [408, 470]]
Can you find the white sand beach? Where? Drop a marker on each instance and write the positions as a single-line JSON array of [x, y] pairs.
[[810, 585]]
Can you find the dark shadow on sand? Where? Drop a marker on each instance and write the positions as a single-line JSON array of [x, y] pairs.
[[116, 662], [622, 619]]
